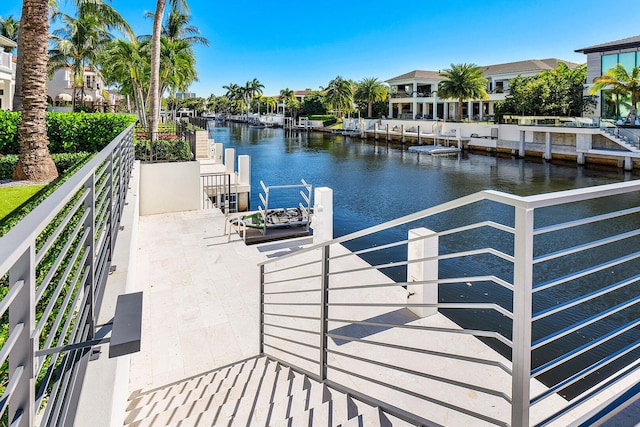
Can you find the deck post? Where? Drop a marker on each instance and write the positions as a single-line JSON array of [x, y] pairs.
[[522, 312], [419, 136], [322, 223], [402, 137], [388, 136], [521, 144], [230, 160], [547, 146], [375, 131], [422, 253]]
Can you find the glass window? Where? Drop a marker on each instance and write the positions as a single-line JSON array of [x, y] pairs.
[[638, 59], [628, 60], [609, 62]]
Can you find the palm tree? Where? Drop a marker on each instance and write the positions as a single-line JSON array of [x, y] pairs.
[[34, 161], [124, 62], [371, 90], [9, 29], [340, 94], [621, 81], [286, 96], [463, 82], [270, 102], [154, 82]]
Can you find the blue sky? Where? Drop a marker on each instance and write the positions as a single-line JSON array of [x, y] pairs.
[[306, 44]]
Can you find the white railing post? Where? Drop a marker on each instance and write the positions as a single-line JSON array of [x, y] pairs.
[[423, 243], [22, 314], [522, 307]]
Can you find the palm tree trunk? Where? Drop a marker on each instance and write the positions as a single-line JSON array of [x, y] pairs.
[[34, 162], [17, 94], [369, 109], [154, 82]]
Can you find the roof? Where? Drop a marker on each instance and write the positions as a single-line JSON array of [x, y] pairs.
[[417, 74], [629, 42], [527, 65], [506, 68]]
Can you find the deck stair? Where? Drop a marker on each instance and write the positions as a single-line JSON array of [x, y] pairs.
[[254, 392], [623, 137]]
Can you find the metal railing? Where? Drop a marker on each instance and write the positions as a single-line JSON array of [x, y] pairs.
[[53, 268], [534, 313], [623, 134], [217, 192]]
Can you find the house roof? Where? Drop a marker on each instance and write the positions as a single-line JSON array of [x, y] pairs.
[[527, 65], [629, 42], [417, 74], [506, 68]]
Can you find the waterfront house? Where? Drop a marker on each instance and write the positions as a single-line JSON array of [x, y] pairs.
[[414, 95], [300, 95], [92, 92], [7, 73], [603, 57]]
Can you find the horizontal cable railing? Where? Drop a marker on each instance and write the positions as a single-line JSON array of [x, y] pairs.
[[53, 267], [524, 307]]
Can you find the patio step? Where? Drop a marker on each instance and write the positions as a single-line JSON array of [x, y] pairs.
[[257, 392]]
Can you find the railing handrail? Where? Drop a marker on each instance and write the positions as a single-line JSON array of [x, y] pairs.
[[25, 231], [527, 202]]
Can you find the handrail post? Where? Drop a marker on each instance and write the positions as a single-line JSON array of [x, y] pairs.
[[522, 309], [261, 309], [90, 245], [23, 312], [324, 312], [110, 211]]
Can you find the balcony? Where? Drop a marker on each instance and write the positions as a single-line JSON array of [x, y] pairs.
[[6, 62]]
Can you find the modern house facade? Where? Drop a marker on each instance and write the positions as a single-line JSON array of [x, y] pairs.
[[7, 73], [603, 57], [415, 94]]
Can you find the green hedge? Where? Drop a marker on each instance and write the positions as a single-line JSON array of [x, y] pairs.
[[63, 161], [162, 151], [68, 132]]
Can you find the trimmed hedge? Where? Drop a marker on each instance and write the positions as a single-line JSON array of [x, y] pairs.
[[63, 161], [68, 132], [162, 151]]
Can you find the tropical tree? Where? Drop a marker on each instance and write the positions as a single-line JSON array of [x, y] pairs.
[[339, 94], [124, 63], [34, 161], [270, 103], [462, 82], [9, 29], [286, 96], [621, 81], [370, 90], [154, 81]]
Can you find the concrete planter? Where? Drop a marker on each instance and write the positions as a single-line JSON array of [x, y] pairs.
[[169, 187]]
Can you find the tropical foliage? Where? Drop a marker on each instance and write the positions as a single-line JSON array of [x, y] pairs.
[[370, 90], [557, 92], [622, 83], [9, 29], [339, 95], [463, 82]]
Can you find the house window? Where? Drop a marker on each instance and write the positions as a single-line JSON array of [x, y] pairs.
[[608, 62], [628, 60]]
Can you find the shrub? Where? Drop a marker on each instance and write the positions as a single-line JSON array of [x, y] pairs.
[[64, 162], [68, 132], [162, 151]]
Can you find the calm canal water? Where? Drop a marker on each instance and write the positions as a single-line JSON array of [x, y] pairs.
[[374, 183]]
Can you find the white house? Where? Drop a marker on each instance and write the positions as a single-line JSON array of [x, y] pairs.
[[7, 74], [60, 89], [415, 94]]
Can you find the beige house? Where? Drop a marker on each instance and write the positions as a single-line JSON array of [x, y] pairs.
[[60, 89], [7, 74], [414, 95]]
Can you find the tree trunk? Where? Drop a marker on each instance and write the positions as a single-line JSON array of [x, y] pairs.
[[34, 162], [17, 94], [370, 109], [154, 83]]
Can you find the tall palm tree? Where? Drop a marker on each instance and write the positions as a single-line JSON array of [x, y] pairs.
[[340, 95], [286, 96], [34, 161], [177, 65], [154, 81], [621, 81], [371, 90], [463, 82], [9, 29], [270, 102]]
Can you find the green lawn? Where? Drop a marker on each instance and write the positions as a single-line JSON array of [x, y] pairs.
[[12, 197]]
